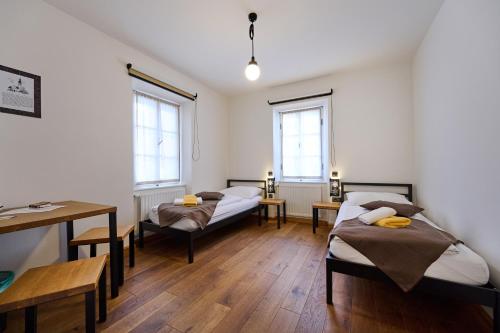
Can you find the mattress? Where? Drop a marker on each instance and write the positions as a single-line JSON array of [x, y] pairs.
[[461, 265], [229, 205]]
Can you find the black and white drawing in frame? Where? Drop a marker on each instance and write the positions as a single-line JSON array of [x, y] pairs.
[[20, 92]]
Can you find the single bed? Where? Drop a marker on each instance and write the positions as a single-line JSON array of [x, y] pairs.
[[230, 209], [458, 273]]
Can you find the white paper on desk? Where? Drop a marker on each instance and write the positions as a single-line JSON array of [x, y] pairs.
[[27, 210]]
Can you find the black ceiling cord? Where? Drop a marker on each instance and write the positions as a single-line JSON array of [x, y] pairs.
[[251, 33]]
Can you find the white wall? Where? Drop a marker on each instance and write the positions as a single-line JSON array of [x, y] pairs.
[[81, 149], [457, 124], [372, 115]]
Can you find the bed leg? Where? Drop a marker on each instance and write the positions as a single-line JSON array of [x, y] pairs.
[[496, 313], [190, 249], [141, 235], [329, 283]]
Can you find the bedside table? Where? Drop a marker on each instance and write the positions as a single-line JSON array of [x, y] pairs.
[[273, 202], [316, 206]]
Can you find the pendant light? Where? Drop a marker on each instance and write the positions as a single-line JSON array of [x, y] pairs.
[[252, 72]]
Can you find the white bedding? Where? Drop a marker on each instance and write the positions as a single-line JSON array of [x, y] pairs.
[[458, 264], [229, 205]]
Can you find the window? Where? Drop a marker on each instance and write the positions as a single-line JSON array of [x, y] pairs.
[[156, 140], [300, 142]]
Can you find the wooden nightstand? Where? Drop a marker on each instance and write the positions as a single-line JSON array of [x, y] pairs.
[[273, 202], [316, 206]]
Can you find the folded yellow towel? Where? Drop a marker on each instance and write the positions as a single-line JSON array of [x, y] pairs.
[[393, 222], [190, 200]]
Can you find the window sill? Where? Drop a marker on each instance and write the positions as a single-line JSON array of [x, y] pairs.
[[149, 187]]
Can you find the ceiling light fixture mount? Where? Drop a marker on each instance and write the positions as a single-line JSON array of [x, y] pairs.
[[252, 71]]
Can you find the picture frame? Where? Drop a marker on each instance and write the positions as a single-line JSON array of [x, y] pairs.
[[20, 92]]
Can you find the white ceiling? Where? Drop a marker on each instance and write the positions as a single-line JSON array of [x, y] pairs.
[[294, 39]]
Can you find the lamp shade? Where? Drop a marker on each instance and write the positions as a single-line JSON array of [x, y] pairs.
[[335, 185], [270, 182]]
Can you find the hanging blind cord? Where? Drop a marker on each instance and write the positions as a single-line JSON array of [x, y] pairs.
[[195, 154], [333, 159]]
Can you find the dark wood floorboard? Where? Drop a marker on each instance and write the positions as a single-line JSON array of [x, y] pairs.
[[247, 278]]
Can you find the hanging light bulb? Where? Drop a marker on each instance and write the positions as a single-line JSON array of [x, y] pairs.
[[252, 72]]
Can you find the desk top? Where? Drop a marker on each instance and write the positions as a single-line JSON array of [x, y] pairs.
[[327, 205], [73, 210], [272, 201], [48, 283]]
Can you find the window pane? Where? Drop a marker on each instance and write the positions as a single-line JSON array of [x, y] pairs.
[[169, 169], [147, 111], [310, 122], [311, 145], [301, 144], [291, 123], [291, 146], [169, 117], [169, 146], [145, 168], [146, 141]]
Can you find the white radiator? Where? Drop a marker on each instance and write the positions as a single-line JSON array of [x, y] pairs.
[[299, 197], [146, 199]]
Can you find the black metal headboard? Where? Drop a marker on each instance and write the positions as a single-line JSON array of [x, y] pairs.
[[408, 194], [263, 182]]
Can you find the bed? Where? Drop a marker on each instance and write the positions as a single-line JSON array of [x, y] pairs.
[[229, 210], [459, 273]]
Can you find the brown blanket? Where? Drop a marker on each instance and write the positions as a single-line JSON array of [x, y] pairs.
[[403, 254], [168, 214]]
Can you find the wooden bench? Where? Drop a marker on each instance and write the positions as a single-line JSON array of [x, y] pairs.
[[49, 283], [273, 202], [316, 206], [100, 235]]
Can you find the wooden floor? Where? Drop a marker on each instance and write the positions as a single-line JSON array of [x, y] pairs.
[[247, 278]]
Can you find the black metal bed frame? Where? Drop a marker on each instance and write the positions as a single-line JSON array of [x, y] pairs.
[[486, 295], [190, 236]]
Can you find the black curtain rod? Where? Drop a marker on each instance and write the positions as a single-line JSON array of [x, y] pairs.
[[301, 98], [151, 80]]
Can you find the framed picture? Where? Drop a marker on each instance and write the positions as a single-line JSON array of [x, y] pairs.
[[20, 92]]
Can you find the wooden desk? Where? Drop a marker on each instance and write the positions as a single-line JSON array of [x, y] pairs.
[[273, 202], [322, 205], [73, 210]]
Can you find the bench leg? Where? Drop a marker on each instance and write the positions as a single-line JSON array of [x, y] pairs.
[[329, 283], [131, 249], [3, 321], [141, 235], [121, 263], [72, 250], [260, 215], [30, 314], [278, 212], [113, 255], [93, 250], [102, 296], [90, 311], [315, 219], [496, 314], [190, 249], [284, 212]]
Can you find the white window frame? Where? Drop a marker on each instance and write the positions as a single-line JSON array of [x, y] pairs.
[[278, 111], [178, 107]]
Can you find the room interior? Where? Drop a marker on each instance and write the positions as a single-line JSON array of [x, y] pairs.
[[403, 101]]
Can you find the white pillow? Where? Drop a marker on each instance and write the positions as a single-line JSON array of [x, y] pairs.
[[247, 192], [377, 214], [360, 198]]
